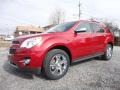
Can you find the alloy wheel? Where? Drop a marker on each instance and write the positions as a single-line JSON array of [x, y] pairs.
[[58, 64]]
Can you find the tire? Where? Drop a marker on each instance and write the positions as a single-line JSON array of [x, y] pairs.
[[56, 64], [108, 52]]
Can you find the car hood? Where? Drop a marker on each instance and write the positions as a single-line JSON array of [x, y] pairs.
[[24, 37]]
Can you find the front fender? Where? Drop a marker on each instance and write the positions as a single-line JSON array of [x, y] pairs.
[[57, 41]]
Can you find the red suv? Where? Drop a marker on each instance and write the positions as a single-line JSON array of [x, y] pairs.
[[54, 50]]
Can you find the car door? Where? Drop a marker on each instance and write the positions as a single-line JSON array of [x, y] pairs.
[[83, 40], [98, 37]]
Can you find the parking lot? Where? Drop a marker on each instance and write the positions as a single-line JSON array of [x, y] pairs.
[[88, 75]]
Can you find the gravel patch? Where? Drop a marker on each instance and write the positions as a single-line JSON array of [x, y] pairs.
[[90, 74]]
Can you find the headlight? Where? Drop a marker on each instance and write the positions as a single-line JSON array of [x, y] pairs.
[[28, 43]]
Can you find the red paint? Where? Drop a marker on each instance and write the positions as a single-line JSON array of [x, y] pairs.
[[79, 45]]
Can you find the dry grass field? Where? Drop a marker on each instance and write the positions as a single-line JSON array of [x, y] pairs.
[[4, 43]]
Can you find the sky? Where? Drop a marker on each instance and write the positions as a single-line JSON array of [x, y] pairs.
[[37, 12]]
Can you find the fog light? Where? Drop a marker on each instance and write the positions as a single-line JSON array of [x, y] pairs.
[[27, 61]]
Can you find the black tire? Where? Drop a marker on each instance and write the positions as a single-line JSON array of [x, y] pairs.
[[106, 56], [51, 56]]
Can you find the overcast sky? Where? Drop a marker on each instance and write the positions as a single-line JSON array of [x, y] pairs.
[[37, 12]]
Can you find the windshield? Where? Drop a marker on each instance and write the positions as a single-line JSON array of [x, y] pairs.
[[61, 27]]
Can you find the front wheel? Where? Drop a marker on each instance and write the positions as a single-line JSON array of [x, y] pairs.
[[56, 64], [108, 53]]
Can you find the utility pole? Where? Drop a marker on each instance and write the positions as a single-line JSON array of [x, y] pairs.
[[79, 10]]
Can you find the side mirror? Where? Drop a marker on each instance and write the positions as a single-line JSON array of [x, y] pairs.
[[80, 30]]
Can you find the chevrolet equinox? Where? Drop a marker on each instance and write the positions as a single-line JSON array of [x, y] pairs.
[[54, 50]]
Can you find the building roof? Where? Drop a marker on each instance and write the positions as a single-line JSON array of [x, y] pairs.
[[29, 28], [48, 26]]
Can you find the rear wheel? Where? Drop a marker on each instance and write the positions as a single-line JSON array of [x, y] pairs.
[[108, 53], [56, 64]]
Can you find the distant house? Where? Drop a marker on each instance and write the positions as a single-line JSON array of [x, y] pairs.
[[26, 30], [48, 27]]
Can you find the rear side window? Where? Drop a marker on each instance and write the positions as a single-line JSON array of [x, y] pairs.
[[96, 28], [85, 26]]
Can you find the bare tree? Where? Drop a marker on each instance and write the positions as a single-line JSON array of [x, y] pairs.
[[112, 26], [57, 17], [109, 24]]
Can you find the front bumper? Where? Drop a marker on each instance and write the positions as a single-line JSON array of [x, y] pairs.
[[17, 59], [12, 64], [36, 71]]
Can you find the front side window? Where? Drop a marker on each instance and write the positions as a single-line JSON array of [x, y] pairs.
[[61, 27], [84, 26]]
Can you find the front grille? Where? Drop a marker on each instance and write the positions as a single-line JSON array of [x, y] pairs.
[[12, 51], [15, 42]]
